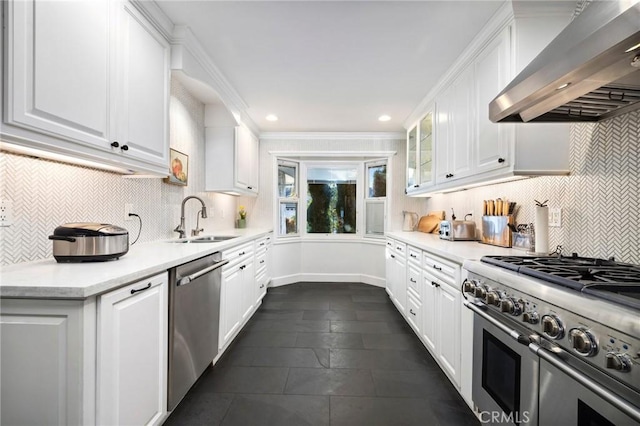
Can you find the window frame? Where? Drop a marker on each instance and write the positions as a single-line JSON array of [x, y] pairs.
[[376, 200], [305, 158], [295, 199]]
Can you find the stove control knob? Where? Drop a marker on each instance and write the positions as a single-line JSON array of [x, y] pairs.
[[490, 297], [583, 342], [619, 362], [500, 296], [479, 292], [552, 327], [469, 286], [512, 306], [531, 317]]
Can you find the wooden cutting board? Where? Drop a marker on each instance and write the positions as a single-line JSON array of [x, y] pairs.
[[431, 222]]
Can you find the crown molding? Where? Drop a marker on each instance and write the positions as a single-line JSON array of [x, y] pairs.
[[333, 135]]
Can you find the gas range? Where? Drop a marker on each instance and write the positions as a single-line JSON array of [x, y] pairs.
[[588, 307]]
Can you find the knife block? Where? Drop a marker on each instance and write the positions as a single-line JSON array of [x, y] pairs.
[[496, 230]]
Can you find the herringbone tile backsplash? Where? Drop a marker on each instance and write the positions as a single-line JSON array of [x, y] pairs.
[[46, 194], [600, 200]]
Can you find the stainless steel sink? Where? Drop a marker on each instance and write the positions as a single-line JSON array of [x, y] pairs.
[[208, 239]]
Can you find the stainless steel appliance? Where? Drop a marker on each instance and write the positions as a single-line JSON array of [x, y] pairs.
[[89, 242], [458, 230], [194, 318], [589, 72], [556, 340]]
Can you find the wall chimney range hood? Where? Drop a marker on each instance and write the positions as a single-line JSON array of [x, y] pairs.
[[589, 72]]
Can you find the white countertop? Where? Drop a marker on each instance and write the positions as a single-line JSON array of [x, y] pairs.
[[456, 251], [49, 279]]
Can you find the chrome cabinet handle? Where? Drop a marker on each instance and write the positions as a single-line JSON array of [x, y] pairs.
[[520, 338], [189, 278], [613, 399], [134, 291]]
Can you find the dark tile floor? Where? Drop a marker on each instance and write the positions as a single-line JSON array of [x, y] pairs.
[[324, 354]]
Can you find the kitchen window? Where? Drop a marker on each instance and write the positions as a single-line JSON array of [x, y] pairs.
[[287, 197], [331, 198]]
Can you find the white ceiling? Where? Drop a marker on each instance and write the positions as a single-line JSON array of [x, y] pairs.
[[332, 65]]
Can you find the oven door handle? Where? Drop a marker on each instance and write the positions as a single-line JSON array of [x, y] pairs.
[[619, 403], [478, 310]]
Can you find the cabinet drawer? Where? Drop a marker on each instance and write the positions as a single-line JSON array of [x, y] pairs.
[[415, 255], [414, 312], [261, 262], [237, 254], [400, 248], [413, 279], [441, 268]]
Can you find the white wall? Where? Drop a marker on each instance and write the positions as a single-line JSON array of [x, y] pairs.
[[359, 261]]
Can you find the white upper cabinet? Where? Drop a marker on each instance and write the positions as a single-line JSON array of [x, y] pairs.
[[58, 66], [89, 80], [469, 149], [420, 154], [457, 117], [143, 90], [493, 73], [232, 160]]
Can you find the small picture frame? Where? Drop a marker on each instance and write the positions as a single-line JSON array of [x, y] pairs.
[[178, 168]]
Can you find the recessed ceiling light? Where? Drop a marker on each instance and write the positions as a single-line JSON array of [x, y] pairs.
[[272, 117], [562, 86], [632, 48], [384, 118]]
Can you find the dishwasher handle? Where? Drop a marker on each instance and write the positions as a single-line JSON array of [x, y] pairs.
[[189, 278]]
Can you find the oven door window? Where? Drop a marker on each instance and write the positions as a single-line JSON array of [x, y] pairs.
[[587, 416], [501, 373]]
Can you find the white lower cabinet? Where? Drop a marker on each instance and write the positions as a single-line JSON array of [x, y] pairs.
[[263, 267], [432, 304], [237, 293], [102, 360], [132, 354]]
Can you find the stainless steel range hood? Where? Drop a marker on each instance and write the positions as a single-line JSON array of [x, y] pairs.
[[589, 72]]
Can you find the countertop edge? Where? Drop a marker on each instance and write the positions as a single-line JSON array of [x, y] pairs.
[[10, 291]]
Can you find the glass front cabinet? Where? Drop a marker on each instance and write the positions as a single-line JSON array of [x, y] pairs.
[[420, 144]]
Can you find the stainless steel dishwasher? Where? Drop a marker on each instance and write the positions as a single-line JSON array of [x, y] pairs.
[[194, 318]]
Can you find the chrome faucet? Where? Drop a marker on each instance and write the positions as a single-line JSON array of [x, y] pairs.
[[180, 228], [198, 230]]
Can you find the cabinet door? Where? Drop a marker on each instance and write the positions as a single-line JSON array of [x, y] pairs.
[[412, 159], [248, 287], [254, 163], [492, 71], [243, 158], [400, 283], [462, 126], [425, 169], [430, 318], [230, 304], [414, 313], [444, 135], [58, 68], [448, 340], [143, 93], [132, 353], [390, 262]]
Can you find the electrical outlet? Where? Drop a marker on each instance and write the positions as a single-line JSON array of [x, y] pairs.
[[6, 213], [128, 208], [555, 217]]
